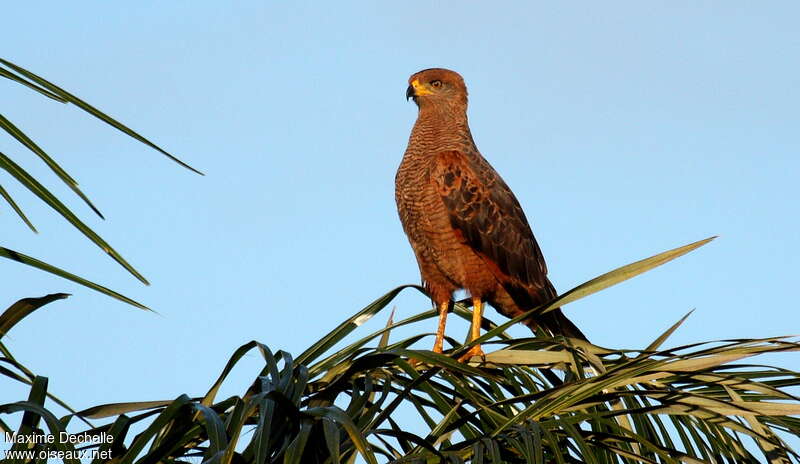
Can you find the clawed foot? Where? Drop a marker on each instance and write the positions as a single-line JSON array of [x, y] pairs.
[[474, 351], [466, 357]]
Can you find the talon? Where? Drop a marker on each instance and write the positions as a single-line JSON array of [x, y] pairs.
[[474, 351]]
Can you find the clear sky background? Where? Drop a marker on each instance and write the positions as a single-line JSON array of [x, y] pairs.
[[624, 129]]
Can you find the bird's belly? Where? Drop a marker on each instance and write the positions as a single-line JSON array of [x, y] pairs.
[[446, 261], [463, 266]]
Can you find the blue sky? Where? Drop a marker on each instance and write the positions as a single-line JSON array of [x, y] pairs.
[[624, 129]]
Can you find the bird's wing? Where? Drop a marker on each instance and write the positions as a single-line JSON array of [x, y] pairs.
[[484, 210]]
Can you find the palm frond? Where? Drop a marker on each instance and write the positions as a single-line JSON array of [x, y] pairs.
[[530, 400], [37, 83], [33, 262], [43, 86]]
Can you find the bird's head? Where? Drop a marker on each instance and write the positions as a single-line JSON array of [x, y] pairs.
[[437, 87]]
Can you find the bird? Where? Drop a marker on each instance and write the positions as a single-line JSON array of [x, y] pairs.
[[466, 227]]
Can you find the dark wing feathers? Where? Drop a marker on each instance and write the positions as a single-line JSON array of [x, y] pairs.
[[485, 211]]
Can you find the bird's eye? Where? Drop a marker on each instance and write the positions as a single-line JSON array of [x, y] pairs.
[[436, 83]]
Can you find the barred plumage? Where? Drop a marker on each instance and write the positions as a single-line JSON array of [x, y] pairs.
[[467, 229]]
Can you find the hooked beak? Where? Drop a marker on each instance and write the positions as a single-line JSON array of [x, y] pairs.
[[410, 92], [416, 90]]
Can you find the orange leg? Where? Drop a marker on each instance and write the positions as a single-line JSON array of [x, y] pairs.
[[439, 343], [475, 329]]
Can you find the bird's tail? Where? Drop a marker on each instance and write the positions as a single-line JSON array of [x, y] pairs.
[[519, 300], [556, 322]]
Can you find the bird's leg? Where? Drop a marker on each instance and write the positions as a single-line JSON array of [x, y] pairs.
[[475, 329], [439, 343], [477, 316]]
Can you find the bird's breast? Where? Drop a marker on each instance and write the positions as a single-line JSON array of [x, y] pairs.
[[421, 208]]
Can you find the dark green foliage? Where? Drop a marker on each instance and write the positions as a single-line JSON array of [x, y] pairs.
[[18, 75], [368, 397], [531, 400]]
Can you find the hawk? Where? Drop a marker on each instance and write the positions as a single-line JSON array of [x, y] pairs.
[[466, 227]]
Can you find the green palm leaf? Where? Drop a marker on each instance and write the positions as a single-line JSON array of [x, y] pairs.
[[19, 75], [30, 261], [51, 90], [687, 404]]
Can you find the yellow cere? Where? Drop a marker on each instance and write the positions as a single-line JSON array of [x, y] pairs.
[[420, 89]]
